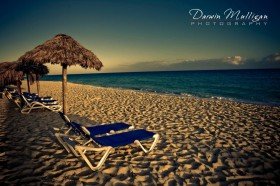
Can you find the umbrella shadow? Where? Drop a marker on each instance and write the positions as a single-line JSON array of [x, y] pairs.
[[82, 120]]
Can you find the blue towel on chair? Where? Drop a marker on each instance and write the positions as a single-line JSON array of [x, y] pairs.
[[106, 128], [122, 139]]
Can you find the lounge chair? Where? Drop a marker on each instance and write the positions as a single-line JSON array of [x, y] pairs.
[[31, 104], [35, 97], [105, 143]]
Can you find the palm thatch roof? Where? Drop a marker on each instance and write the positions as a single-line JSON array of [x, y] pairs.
[[64, 50], [9, 75]]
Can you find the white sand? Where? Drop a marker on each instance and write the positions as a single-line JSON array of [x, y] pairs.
[[202, 141]]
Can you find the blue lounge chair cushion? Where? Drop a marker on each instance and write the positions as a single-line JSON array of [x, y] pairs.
[[106, 128], [122, 139]]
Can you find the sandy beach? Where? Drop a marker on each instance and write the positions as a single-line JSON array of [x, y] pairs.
[[203, 141]]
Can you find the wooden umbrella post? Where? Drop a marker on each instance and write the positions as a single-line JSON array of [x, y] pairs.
[[64, 87], [38, 84], [28, 83], [19, 87]]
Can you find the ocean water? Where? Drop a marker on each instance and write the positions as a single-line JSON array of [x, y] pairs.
[[254, 86]]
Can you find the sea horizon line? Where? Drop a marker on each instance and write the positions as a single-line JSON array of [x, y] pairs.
[[152, 71]]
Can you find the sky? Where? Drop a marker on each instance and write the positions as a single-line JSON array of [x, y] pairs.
[[144, 35]]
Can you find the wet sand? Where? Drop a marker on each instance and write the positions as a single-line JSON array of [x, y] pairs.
[[202, 141]]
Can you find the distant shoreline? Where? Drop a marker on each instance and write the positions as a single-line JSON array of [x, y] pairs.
[[246, 86]]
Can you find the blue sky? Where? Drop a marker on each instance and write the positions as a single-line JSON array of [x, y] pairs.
[[151, 34]]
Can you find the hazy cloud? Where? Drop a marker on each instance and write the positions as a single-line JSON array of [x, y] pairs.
[[273, 58], [234, 62]]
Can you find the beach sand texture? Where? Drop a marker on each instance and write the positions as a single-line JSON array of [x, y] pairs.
[[202, 141]]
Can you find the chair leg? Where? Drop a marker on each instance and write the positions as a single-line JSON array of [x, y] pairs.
[[59, 138], [73, 150], [27, 110], [107, 150], [156, 138], [68, 131], [17, 103], [86, 143]]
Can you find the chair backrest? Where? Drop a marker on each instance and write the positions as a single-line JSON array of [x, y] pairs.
[[64, 117], [78, 129], [85, 130], [9, 96], [25, 100]]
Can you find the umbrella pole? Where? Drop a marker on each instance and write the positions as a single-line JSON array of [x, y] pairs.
[[28, 83], [64, 87], [38, 85], [19, 87]]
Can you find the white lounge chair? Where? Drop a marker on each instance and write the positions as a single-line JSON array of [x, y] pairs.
[[105, 143], [30, 105]]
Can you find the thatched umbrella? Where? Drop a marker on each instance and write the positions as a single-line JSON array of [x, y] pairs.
[[33, 72], [64, 50], [9, 75]]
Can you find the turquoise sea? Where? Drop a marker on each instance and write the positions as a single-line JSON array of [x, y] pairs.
[[254, 86]]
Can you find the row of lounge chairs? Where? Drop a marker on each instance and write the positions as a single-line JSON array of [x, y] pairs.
[[27, 102], [80, 140]]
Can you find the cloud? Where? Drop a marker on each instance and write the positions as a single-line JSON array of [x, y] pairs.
[[161, 65], [235, 60], [143, 66], [273, 58]]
